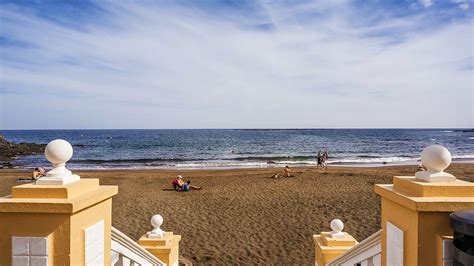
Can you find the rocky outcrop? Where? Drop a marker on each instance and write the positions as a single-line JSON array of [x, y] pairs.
[[9, 151]]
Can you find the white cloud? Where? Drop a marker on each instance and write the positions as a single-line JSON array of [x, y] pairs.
[[155, 67], [426, 3], [462, 4]]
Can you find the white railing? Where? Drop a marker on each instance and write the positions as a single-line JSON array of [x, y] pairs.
[[367, 252], [127, 252]]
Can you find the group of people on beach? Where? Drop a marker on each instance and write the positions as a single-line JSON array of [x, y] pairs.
[[322, 158], [180, 185], [322, 162]]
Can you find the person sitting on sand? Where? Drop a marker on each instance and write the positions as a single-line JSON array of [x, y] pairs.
[[180, 185], [287, 171], [420, 167], [37, 173]]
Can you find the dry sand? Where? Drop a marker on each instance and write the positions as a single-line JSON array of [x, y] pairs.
[[244, 216]]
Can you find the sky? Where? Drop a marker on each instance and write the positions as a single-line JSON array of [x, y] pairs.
[[236, 64]]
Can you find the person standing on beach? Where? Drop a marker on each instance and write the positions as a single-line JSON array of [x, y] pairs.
[[319, 158], [325, 156]]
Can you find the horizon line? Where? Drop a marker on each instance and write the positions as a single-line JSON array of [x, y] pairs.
[[243, 128]]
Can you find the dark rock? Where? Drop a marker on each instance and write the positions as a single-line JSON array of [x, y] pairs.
[[10, 150], [6, 165]]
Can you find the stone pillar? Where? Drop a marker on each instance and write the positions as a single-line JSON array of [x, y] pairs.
[[163, 245], [68, 223], [415, 211], [329, 245]]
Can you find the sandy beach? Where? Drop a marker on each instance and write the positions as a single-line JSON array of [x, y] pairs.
[[242, 216]]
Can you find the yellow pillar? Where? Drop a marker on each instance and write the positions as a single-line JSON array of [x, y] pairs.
[[166, 249], [163, 245], [415, 211], [65, 224], [62, 215], [417, 214], [329, 245]]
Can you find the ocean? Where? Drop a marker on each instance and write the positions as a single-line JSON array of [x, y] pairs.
[[240, 148]]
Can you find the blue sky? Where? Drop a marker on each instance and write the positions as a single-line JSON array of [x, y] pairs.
[[236, 64]]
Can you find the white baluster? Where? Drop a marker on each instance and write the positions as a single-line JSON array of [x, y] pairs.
[[436, 159], [58, 152], [156, 222], [336, 227]]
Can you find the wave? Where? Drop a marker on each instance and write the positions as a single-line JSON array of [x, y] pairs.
[[259, 160], [221, 165], [152, 160], [273, 158], [379, 160], [250, 161], [125, 161], [465, 156], [263, 158], [203, 164]]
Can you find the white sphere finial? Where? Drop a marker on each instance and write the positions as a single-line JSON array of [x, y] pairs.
[[436, 159], [156, 222], [58, 152], [336, 227]]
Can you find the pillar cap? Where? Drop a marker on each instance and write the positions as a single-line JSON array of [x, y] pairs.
[[436, 159], [57, 205], [336, 227], [58, 152], [156, 233]]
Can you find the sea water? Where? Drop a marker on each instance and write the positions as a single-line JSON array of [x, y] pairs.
[[238, 148]]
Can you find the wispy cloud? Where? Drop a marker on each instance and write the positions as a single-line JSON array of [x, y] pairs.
[[426, 3], [462, 4], [265, 64]]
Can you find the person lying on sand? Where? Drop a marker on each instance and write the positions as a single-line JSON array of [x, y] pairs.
[[37, 173], [180, 185]]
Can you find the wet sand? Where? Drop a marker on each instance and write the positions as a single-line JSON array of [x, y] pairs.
[[242, 216]]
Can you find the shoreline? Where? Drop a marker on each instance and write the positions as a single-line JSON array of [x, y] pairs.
[[268, 166]]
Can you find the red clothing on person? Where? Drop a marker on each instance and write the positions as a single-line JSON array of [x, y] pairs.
[[176, 183]]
